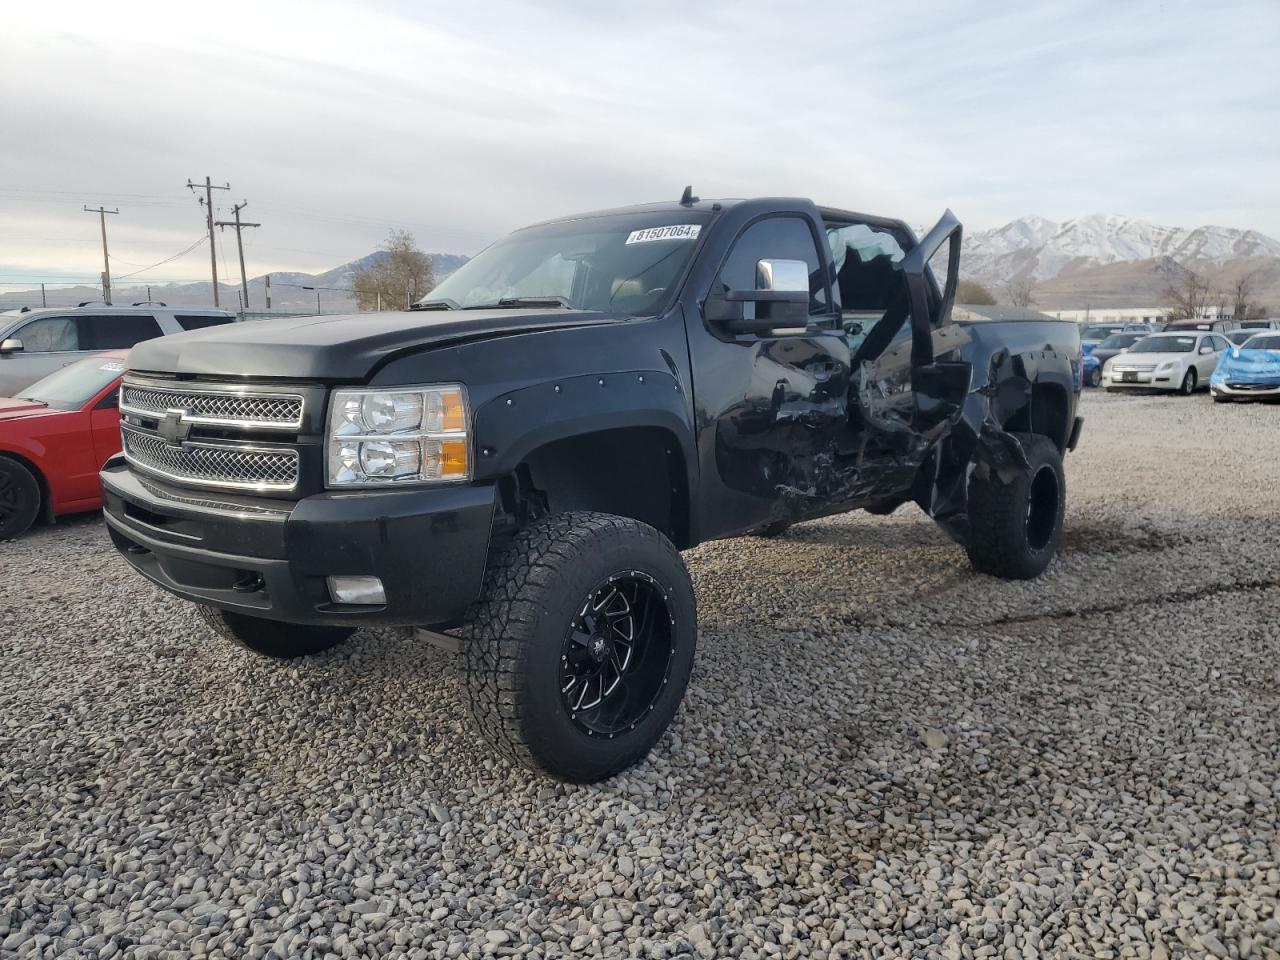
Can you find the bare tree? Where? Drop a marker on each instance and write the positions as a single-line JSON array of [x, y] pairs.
[[1021, 291], [974, 293], [397, 279], [1241, 295], [1188, 295]]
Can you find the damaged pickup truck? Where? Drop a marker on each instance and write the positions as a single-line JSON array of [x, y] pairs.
[[521, 458]]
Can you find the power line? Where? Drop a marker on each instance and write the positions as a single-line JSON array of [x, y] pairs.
[[181, 253]]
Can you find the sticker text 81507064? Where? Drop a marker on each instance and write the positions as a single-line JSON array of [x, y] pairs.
[[683, 231]]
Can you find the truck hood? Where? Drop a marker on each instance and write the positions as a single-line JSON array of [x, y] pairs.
[[338, 348]]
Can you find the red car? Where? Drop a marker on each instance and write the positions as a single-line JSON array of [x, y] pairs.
[[55, 438]]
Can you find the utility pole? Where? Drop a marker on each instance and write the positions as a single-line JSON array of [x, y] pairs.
[[106, 262], [207, 202], [244, 281], [268, 291]]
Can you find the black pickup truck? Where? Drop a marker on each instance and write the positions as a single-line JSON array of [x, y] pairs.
[[520, 459]]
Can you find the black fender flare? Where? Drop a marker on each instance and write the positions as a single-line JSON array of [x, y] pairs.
[[511, 426]]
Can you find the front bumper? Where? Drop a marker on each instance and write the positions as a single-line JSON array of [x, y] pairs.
[[1145, 380], [1244, 391], [270, 558]]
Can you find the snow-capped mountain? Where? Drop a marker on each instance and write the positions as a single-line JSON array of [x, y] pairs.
[[1043, 249]]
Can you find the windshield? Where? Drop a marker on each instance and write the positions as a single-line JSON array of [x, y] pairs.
[[622, 263], [1264, 342], [1164, 345], [1118, 341], [71, 387]]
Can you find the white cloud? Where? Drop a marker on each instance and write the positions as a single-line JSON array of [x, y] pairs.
[[459, 122]]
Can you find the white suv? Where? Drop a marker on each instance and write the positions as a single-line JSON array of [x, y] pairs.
[[34, 343]]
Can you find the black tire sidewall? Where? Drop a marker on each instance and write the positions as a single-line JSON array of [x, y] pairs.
[[1002, 548], [1189, 382], [28, 499], [1095, 378], [546, 727]]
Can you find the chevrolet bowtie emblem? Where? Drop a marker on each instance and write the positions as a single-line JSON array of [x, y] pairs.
[[173, 429]]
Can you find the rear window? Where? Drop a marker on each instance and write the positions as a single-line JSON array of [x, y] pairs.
[[116, 331], [197, 322]]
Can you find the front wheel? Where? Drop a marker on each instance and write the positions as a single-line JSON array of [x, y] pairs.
[[1188, 386], [1095, 378], [576, 657], [1015, 527], [272, 638], [19, 498]]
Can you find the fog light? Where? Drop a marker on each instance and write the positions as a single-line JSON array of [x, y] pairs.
[[358, 590]]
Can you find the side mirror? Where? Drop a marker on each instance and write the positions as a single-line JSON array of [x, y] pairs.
[[1124, 349], [11, 345], [780, 299], [1206, 349]]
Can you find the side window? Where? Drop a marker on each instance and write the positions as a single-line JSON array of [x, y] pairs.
[[194, 322], [49, 334], [115, 331], [774, 238], [873, 292]]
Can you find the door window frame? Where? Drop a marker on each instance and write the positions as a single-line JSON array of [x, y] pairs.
[[826, 321]]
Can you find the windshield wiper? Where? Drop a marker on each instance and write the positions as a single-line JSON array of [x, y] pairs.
[[507, 303], [443, 303]]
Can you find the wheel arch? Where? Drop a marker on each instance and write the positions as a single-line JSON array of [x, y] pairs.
[[606, 443]]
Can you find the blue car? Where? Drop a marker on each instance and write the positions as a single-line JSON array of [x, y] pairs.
[[1091, 371], [1250, 371]]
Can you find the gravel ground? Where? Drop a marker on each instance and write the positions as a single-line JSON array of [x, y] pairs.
[[881, 754]]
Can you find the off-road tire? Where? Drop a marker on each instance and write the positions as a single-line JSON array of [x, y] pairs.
[[19, 498], [272, 638], [1189, 382], [510, 654], [1010, 536]]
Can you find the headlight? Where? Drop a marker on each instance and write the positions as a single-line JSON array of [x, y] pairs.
[[1168, 365], [395, 437]]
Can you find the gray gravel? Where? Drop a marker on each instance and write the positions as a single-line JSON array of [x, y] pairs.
[[882, 753]]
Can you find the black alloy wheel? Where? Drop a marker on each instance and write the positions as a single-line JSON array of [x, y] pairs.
[[617, 655], [19, 498]]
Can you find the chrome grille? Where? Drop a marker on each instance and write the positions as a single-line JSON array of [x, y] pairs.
[[211, 464], [229, 407]]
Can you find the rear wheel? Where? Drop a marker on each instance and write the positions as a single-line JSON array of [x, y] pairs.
[[576, 657], [19, 498], [1188, 386], [1015, 527], [272, 638]]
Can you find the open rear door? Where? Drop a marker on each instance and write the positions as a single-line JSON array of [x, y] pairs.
[[939, 387]]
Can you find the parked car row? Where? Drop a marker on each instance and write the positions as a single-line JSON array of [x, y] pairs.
[[1243, 364]]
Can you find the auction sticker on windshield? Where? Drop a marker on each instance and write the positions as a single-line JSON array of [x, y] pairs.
[[684, 231]]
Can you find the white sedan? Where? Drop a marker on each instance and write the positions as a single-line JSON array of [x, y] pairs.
[[1166, 361]]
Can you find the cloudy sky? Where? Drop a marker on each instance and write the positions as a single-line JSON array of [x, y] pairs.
[[460, 121]]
